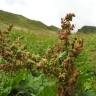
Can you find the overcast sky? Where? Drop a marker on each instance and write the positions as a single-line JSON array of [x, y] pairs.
[[51, 11]]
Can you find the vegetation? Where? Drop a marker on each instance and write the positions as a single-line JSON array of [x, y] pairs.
[[87, 29], [19, 76], [59, 61], [23, 23]]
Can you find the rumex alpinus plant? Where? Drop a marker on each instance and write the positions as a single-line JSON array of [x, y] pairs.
[[59, 60], [14, 53]]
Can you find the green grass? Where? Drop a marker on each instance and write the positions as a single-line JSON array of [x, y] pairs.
[[36, 43], [86, 63]]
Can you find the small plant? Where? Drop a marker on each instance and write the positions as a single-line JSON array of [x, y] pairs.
[[59, 60], [14, 53]]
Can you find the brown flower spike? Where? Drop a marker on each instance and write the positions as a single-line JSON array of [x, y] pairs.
[[60, 58]]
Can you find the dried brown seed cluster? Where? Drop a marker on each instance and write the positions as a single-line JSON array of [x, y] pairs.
[[66, 26], [14, 53]]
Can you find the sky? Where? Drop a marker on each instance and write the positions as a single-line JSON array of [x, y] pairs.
[[51, 11]]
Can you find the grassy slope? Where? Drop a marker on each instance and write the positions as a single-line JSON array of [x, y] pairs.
[[21, 22], [87, 29], [35, 33], [36, 43]]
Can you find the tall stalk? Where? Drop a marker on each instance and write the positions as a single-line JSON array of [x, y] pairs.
[[59, 60]]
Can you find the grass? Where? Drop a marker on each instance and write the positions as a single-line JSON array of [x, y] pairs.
[[87, 65], [37, 43]]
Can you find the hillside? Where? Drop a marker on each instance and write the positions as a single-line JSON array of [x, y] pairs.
[[20, 21], [54, 28], [87, 29]]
